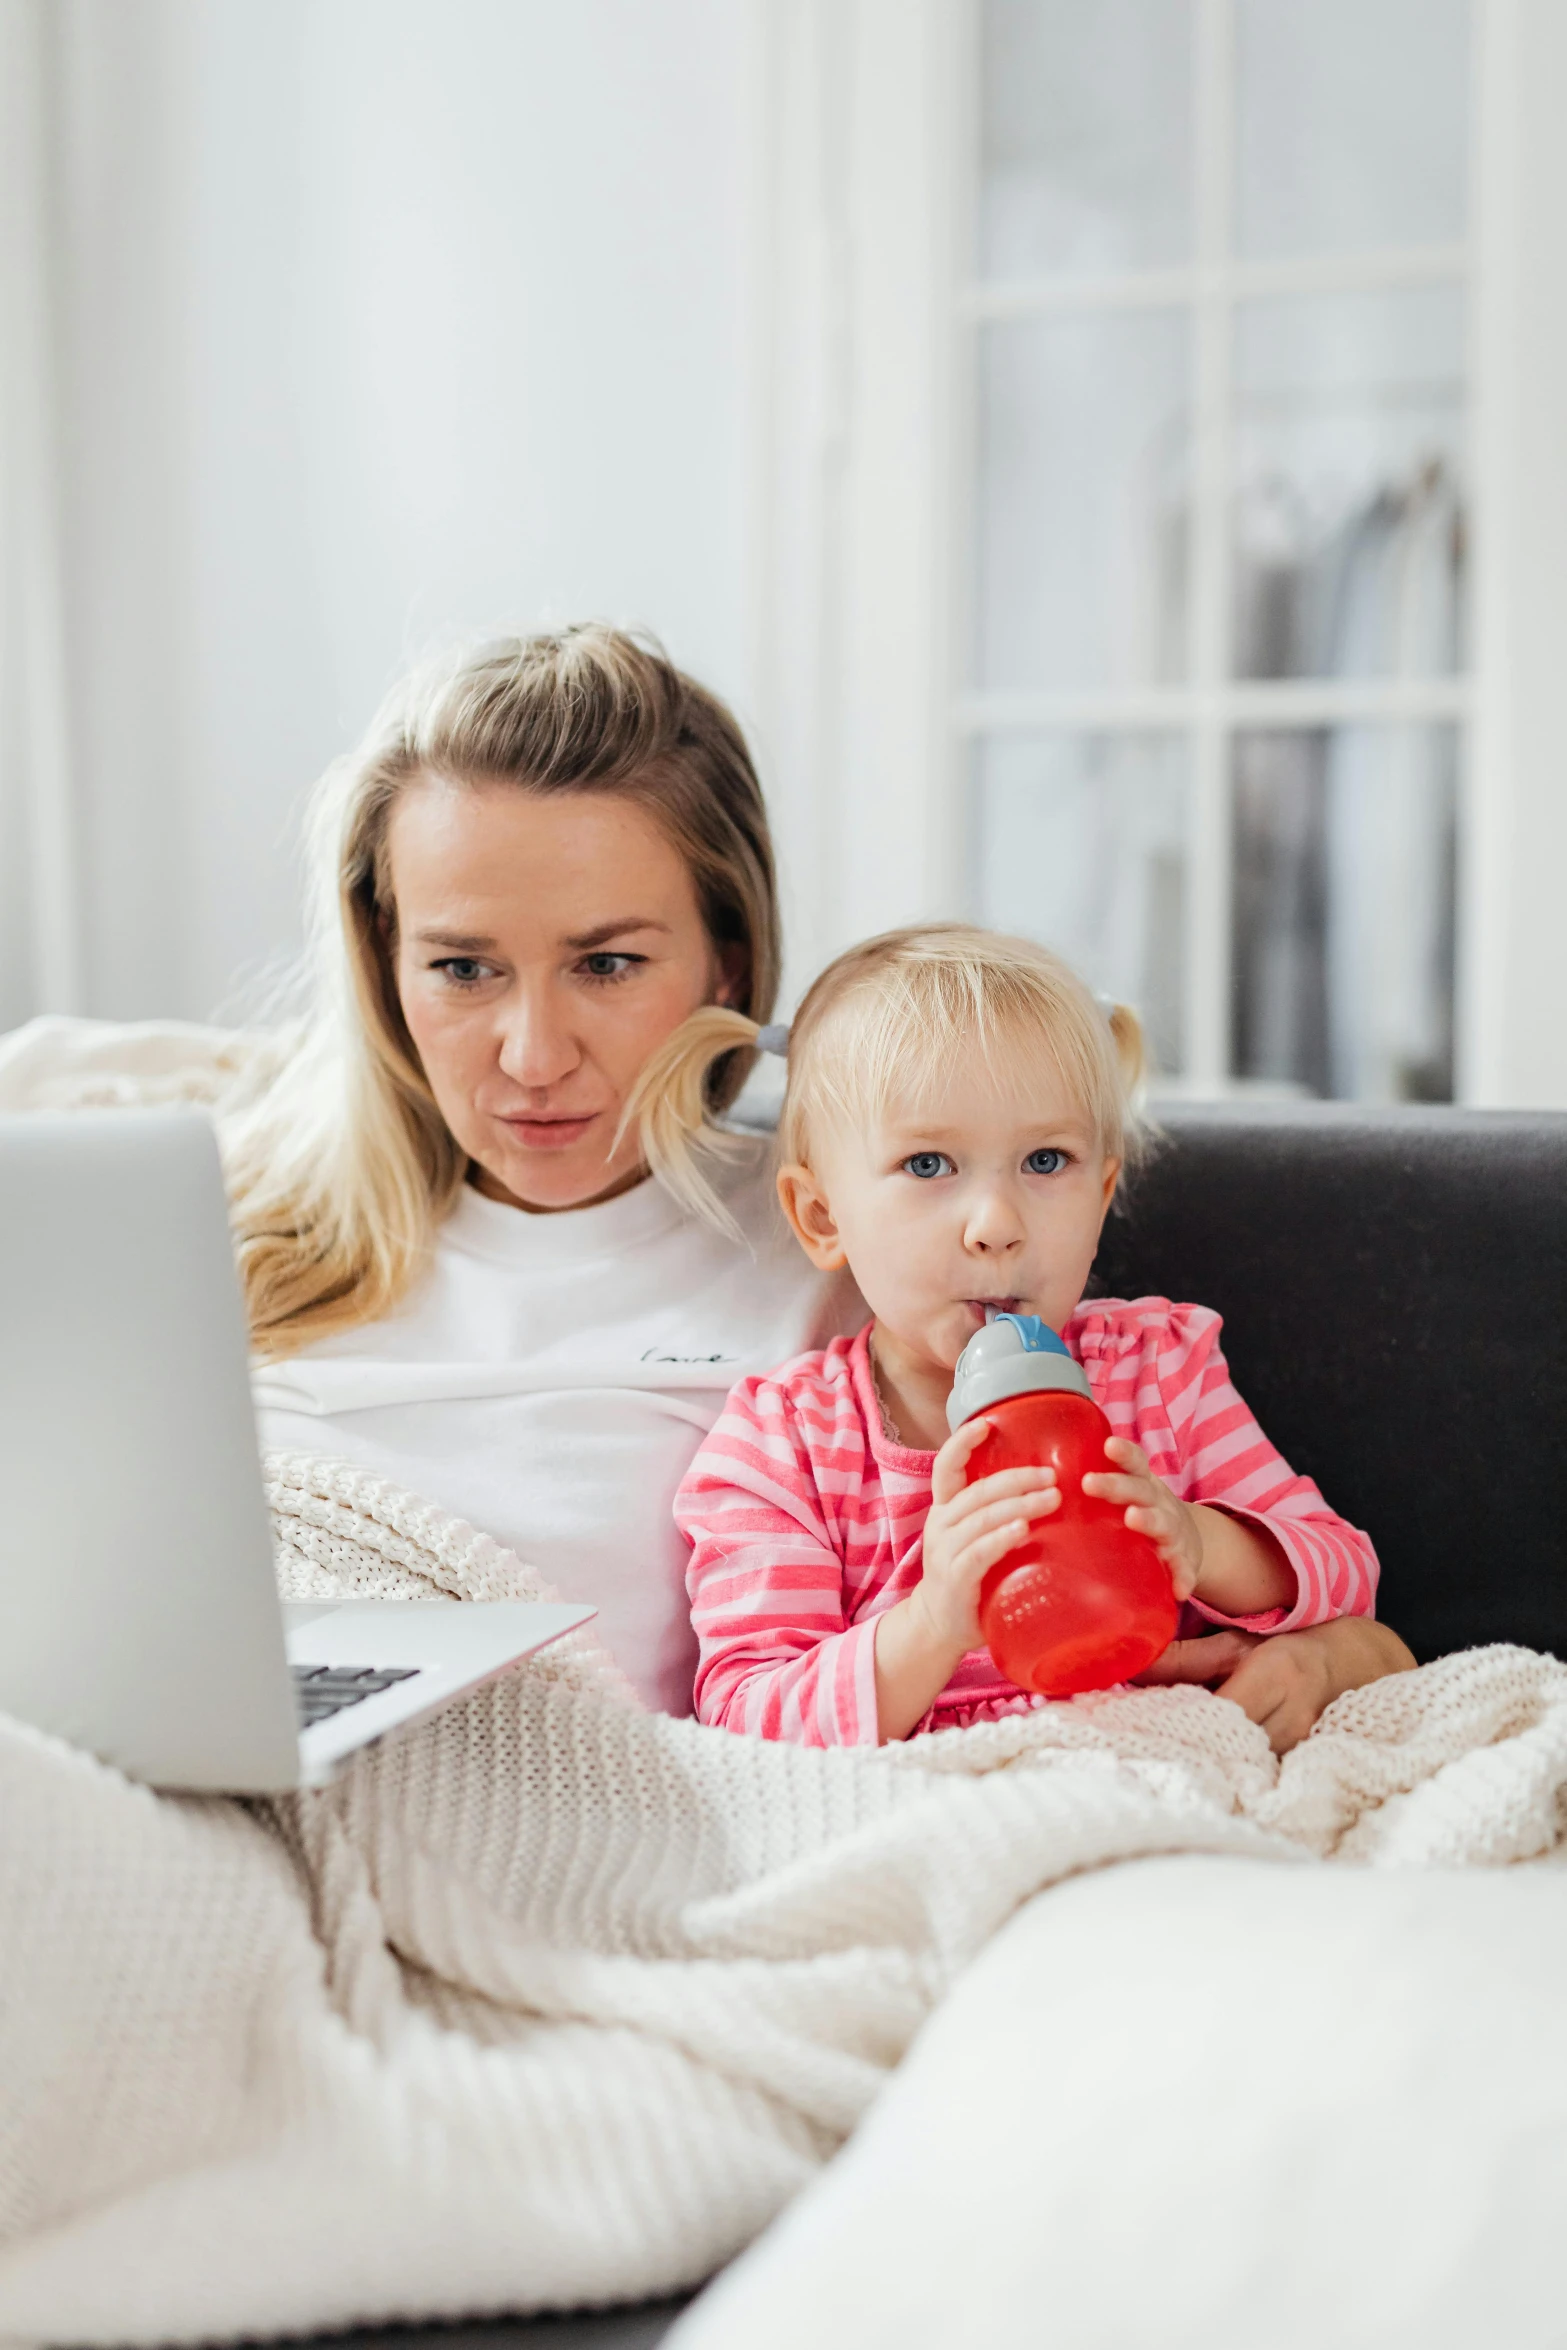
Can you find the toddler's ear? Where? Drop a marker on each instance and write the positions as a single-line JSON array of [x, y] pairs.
[[810, 1217]]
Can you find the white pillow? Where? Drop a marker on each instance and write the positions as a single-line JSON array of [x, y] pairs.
[[1209, 2102]]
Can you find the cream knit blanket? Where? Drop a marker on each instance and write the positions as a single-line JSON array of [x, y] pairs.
[[556, 2000]]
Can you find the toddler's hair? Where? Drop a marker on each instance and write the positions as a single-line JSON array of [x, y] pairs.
[[912, 1002]]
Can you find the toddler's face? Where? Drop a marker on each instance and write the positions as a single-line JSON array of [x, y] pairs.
[[982, 1193]]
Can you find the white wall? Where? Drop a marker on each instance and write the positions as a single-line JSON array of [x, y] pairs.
[[1517, 896], [376, 320]]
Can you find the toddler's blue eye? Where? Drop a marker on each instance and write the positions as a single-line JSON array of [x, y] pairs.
[[1047, 1162], [925, 1164]]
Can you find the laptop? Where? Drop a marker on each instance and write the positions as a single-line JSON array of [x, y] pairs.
[[139, 1611]]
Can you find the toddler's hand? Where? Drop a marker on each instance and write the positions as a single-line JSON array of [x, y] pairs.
[[1172, 1526], [971, 1527]]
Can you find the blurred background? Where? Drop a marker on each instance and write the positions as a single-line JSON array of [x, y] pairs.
[[1113, 454]]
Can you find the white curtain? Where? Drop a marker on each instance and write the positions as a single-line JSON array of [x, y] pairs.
[[40, 930], [329, 328]]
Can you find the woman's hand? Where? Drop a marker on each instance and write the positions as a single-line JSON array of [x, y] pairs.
[[970, 1529], [1286, 1683], [1172, 1526]]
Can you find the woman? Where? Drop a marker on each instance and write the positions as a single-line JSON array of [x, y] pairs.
[[546, 857]]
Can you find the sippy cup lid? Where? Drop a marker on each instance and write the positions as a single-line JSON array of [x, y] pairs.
[[1013, 1355]]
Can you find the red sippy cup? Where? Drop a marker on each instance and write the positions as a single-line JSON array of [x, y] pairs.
[[1082, 1602]]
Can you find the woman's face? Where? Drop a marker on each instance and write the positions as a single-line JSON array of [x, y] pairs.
[[545, 947]]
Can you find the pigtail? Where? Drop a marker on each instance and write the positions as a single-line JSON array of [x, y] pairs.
[[1140, 1133], [1131, 1049], [670, 1104]]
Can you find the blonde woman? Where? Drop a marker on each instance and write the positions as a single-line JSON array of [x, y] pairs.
[[544, 873], [544, 859]]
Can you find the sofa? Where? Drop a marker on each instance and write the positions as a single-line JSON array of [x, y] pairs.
[[1394, 1290]]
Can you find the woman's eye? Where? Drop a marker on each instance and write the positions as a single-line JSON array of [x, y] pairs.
[[461, 970], [925, 1164], [606, 965], [1047, 1162]]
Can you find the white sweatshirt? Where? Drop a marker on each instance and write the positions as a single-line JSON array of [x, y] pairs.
[[551, 1379]]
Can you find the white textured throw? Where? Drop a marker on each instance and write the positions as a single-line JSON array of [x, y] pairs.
[[554, 2000]]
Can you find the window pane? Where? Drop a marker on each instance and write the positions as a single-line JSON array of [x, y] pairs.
[[1082, 843], [1083, 430], [1086, 136], [1353, 124], [1343, 910], [1350, 535]]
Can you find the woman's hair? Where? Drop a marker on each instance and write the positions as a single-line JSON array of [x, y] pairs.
[[340, 1165], [911, 1006]]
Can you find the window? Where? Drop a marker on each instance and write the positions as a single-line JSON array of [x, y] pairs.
[[1215, 703]]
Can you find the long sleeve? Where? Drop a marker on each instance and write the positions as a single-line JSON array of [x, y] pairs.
[[778, 1656], [1214, 1452]]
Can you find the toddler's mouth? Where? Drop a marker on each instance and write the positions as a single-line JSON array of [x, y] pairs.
[[984, 1309]]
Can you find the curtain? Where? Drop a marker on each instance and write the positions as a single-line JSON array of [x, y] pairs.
[[40, 941]]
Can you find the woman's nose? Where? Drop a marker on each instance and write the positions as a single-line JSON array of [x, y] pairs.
[[537, 1049]]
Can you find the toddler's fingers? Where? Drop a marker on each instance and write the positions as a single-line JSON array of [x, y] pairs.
[[1139, 1492], [1128, 1456], [1182, 1569], [973, 1524], [1166, 1541], [1158, 1527], [977, 1558], [1003, 1485], [946, 1476], [1009, 1491]]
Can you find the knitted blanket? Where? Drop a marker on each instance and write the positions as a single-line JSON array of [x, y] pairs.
[[554, 2000]]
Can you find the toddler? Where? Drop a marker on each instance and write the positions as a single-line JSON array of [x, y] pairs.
[[959, 1112]]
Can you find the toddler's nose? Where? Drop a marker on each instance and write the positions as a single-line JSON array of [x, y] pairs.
[[994, 1227]]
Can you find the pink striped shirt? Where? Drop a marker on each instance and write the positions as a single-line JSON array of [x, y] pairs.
[[805, 1521]]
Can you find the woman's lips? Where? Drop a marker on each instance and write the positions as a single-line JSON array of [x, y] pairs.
[[549, 1134]]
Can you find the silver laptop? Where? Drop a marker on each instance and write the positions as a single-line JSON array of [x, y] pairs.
[[139, 1615]]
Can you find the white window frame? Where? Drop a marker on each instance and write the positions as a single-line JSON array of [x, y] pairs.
[[865, 323]]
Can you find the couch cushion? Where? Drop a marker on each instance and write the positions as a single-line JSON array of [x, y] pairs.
[[1205, 2104], [1394, 1291]]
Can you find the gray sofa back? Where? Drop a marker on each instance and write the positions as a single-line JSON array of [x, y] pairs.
[[1394, 1291]]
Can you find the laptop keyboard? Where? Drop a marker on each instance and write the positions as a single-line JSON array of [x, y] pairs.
[[324, 1690]]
